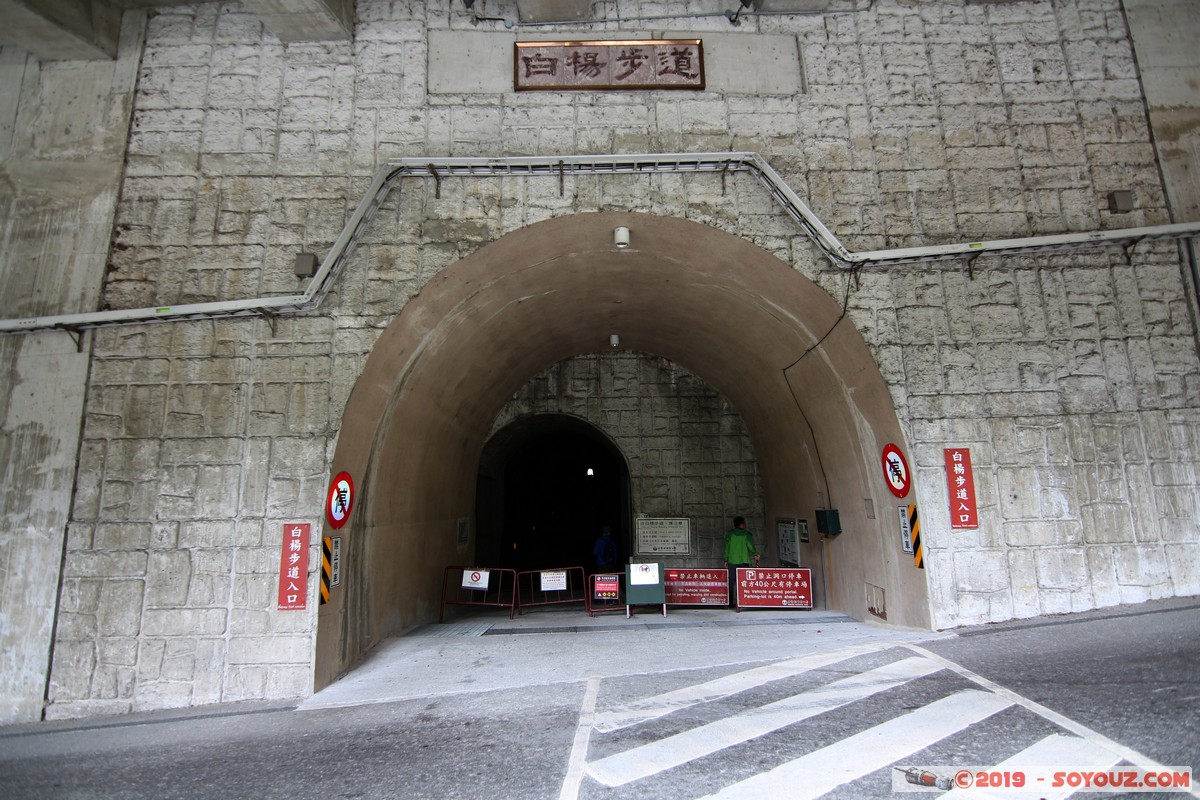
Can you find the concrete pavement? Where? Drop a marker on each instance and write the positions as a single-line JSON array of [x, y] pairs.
[[564, 645], [557, 704]]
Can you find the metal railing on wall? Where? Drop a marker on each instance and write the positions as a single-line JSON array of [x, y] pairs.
[[437, 169]]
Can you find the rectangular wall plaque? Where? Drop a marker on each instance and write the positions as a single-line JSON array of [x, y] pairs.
[[609, 65], [659, 536]]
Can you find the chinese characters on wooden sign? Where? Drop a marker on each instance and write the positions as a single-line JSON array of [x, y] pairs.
[[607, 65], [964, 512]]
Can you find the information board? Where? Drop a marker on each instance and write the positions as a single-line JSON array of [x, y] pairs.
[[661, 536], [789, 541], [554, 581], [697, 587], [777, 587]]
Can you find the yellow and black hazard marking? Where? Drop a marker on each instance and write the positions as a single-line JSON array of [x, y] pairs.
[[326, 567], [914, 527]]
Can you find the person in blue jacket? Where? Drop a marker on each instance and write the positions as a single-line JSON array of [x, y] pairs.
[[604, 551]]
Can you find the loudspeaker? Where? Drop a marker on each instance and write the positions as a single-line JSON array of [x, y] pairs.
[[828, 521]]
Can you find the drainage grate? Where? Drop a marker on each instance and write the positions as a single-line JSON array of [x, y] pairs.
[[453, 629]]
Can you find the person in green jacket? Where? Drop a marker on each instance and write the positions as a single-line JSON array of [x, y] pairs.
[[740, 551]]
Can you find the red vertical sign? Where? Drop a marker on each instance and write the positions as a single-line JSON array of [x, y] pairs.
[[964, 512], [293, 566]]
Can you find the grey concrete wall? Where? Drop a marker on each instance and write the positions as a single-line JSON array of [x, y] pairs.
[[63, 129], [1073, 378], [1164, 37]]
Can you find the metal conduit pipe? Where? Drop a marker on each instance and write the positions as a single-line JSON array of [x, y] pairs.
[[393, 170], [731, 14]]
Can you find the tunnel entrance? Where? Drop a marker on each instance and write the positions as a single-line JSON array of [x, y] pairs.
[[780, 347], [547, 485]]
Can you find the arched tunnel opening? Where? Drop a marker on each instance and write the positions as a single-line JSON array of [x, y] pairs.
[[771, 340], [548, 484]]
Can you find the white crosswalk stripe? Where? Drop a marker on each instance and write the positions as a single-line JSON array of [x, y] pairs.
[[1055, 749], [823, 770], [698, 742], [884, 747], [651, 708]]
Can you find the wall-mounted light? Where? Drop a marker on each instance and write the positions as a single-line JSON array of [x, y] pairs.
[[621, 237], [614, 340]]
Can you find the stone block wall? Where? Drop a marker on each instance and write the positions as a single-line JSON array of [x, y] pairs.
[[687, 449], [1072, 377], [1075, 390], [201, 441]]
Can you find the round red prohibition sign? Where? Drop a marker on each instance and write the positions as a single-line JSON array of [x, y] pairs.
[[340, 500], [895, 470]]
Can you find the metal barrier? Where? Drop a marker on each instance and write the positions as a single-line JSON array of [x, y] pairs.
[[553, 587], [480, 586]]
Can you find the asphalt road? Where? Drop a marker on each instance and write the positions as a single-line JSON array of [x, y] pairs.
[[806, 721], [1131, 674]]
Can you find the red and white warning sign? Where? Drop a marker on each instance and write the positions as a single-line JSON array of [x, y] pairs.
[[895, 470], [697, 587], [606, 587], [340, 500]]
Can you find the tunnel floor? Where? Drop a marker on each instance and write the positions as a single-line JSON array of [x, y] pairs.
[[488, 651]]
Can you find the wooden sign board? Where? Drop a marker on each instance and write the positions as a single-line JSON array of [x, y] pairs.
[[609, 65]]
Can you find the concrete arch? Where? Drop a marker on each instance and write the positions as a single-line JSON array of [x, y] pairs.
[[749, 325]]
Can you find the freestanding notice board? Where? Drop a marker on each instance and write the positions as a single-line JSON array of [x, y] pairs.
[[775, 587], [697, 587], [645, 586]]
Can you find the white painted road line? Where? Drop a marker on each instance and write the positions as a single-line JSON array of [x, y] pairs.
[[650, 708], [823, 770], [1054, 750], [583, 731], [673, 751], [1083, 731]]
